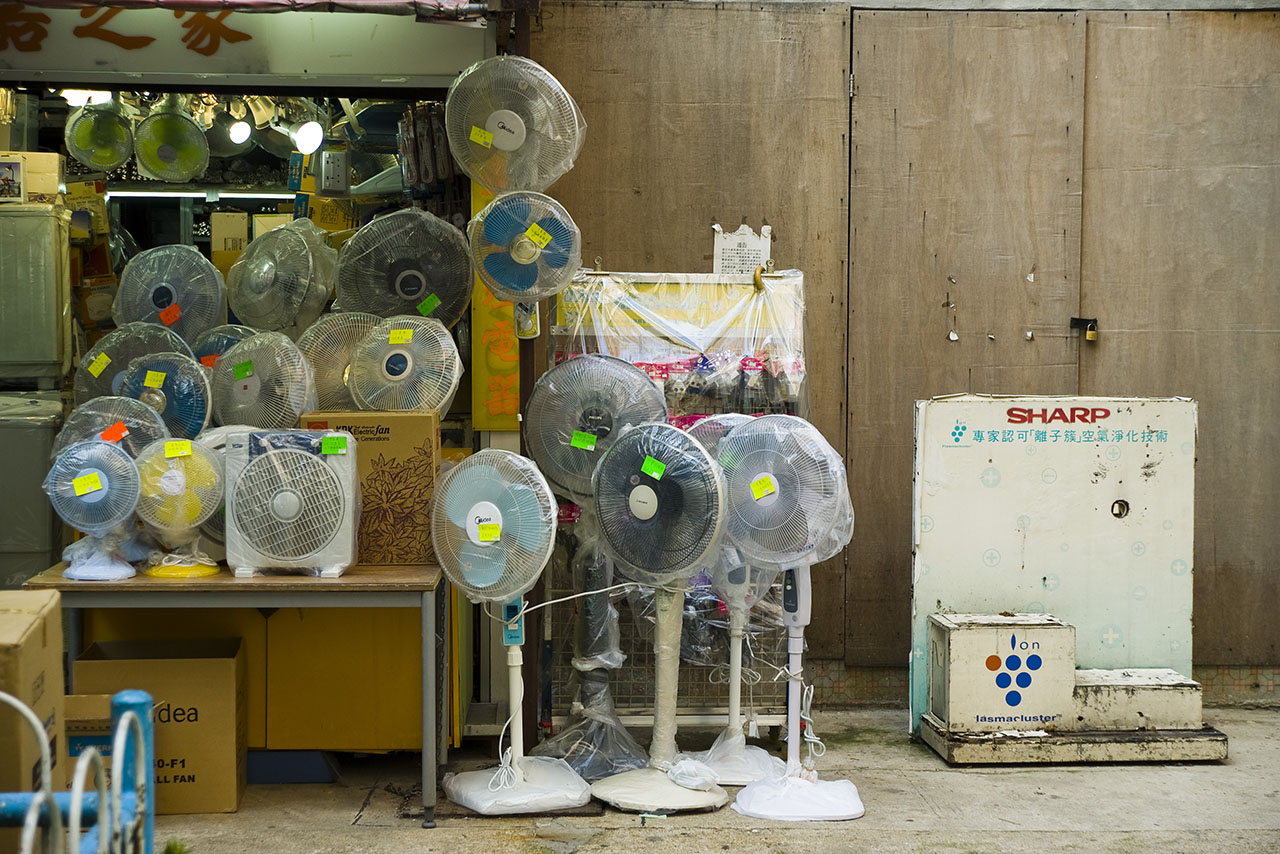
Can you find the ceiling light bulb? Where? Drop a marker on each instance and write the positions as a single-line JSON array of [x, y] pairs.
[[80, 97], [307, 136], [239, 132]]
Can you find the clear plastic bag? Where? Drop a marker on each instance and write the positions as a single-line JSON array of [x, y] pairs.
[[97, 559], [593, 741], [737, 763], [544, 785], [600, 640], [704, 641]]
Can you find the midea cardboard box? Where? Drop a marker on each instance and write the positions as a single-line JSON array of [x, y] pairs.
[[31, 670], [199, 691], [398, 462]]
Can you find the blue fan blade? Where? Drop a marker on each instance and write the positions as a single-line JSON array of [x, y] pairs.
[[509, 273], [467, 488], [530, 531], [509, 218], [482, 566], [556, 252]]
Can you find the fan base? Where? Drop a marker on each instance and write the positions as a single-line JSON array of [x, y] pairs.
[[548, 785], [798, 799], [651, 790], [99, 570], [190, 570], [737, 763]]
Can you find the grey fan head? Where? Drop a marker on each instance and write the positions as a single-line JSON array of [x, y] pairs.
[[405, 363], [263, 382], [174, 286], [93, 486], [330, 345], [283, 279], [130, 423]]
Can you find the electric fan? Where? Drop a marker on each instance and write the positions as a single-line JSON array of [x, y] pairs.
[[526, 248], [493, 526], [99, 136], [330, 345], [263, 381], [174, 385], [94, 488], [129, 423], [212, 343], [181, 487], [292, 499], [283, 279], [511, 125], [102, 368], [660, 504], [783, 483], [405, 363], [407, 262], [739, 586], [171, 285], [213, 532], [169, 145]]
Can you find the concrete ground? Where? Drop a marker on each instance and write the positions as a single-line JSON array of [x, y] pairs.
[[914, 801]]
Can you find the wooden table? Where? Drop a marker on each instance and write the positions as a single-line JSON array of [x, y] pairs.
[[359, 587]]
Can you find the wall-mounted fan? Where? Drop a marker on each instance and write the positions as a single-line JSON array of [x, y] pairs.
[[174, 286], [291, 501], [169, 145], [784, 483], [212, 343], [511, 125], [660, 504], [493, 524], [129, 423], [406, 363], [525, 247], [180, 488], [100, 136], [94, 488], [407, 262], [264, 382], [284, 279], [330, 345], [174, 385], [102, 368]]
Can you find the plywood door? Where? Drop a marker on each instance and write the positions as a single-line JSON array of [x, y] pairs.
[[965, 247], [1181, 265], [729, 113]]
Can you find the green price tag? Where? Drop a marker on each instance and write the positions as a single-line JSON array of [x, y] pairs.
[[653, 468], [585, 441], [428, 305], [333, 445], [242, 371]]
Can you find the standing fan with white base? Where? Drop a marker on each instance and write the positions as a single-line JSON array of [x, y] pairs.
[[263, 381], [493, 523], [102, 369], [284, 278], [406, 363], [330, 345], [784, 484], [94, 488], [174, 286], [660, 502], [181, 487]]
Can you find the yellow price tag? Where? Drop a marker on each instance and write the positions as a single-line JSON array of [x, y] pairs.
[[538, 235], [178, 448], [98, 365], [762, 486], [400, 336], [490, 532], [87, 483], [155, 379], [480, 136]]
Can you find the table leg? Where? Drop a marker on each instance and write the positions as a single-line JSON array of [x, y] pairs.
[[75, 641], [429, 709]]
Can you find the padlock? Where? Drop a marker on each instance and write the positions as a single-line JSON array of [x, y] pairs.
[[1091, 332]]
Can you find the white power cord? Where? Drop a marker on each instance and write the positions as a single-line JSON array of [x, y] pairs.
[[627, 586], [505, 775], [811, 740]]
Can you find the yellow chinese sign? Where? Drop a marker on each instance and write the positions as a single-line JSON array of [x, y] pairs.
[[495, 354]]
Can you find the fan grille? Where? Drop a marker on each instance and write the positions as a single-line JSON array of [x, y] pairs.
[[277, 389], [169, 146], [181, 492], [710, 430], [90, 419], [120, 348], [330, 345], [525, 246], [576, 411], [314, 488], [660, 504], [156, 280], [99, 137], [182, 395], [421, 373], [99, 510], [212, 343], [280, 282]]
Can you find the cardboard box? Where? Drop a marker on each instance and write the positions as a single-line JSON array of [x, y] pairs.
[[31, 670], [262, 223], [88, 724], [398, 462], [199, 689], [31, 176], [90, 196], [93, 305], [229, 231]]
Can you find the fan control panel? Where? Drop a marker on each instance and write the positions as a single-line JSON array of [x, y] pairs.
[[512, 632], [797, 597]]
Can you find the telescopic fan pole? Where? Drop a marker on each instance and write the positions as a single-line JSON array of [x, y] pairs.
[[797, 603], [668, 624]]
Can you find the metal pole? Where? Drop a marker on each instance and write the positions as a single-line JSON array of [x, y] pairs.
[[429, 709]]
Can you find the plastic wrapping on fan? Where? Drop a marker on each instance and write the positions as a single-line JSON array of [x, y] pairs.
[[141, 424], [525, 246], [798, 799], [593, 740], [175, 386], [704, 638], [734, 761], [548, 784], [406, 362], [265, 382], [330, 344], [601, 641], [93, 486], [713, 343], [692, 774], [284, 278], [102, 369], [173, 286], [212, 343], [97, 559], [181, 488]]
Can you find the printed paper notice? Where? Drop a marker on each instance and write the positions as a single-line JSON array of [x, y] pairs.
[[741, 251]]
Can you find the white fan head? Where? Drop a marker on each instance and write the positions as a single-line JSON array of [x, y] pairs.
[[407, 262], [330, 345], [511, 125], [493, 525], [102, 369], [181, 485], [525, 246], [174, 286], [212, 343], [169, 145], [576, 411], [283, 279], [174, 385], [783, 483], [93, 486], [710, 430], [406, 363], [131, 424], [265, 382], [99, 136], [215, 439], [660, 504]]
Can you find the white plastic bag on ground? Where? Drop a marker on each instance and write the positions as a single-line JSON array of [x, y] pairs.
[[692, 774], [798, 799], [548, 785]]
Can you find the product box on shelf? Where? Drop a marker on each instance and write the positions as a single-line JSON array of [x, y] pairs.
[[31, 176], [31, 670]]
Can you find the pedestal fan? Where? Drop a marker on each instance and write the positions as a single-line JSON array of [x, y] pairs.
[[786, 494], [493, 521], [660, 503]]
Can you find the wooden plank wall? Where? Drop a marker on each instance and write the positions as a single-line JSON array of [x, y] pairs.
[[965, 221], [729, 113], [1181, 264]]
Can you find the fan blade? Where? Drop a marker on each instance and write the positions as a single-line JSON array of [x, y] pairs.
[[483, 566], [527, 528], [482, 482], [510, 273], [556, 252], [507, 221]]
